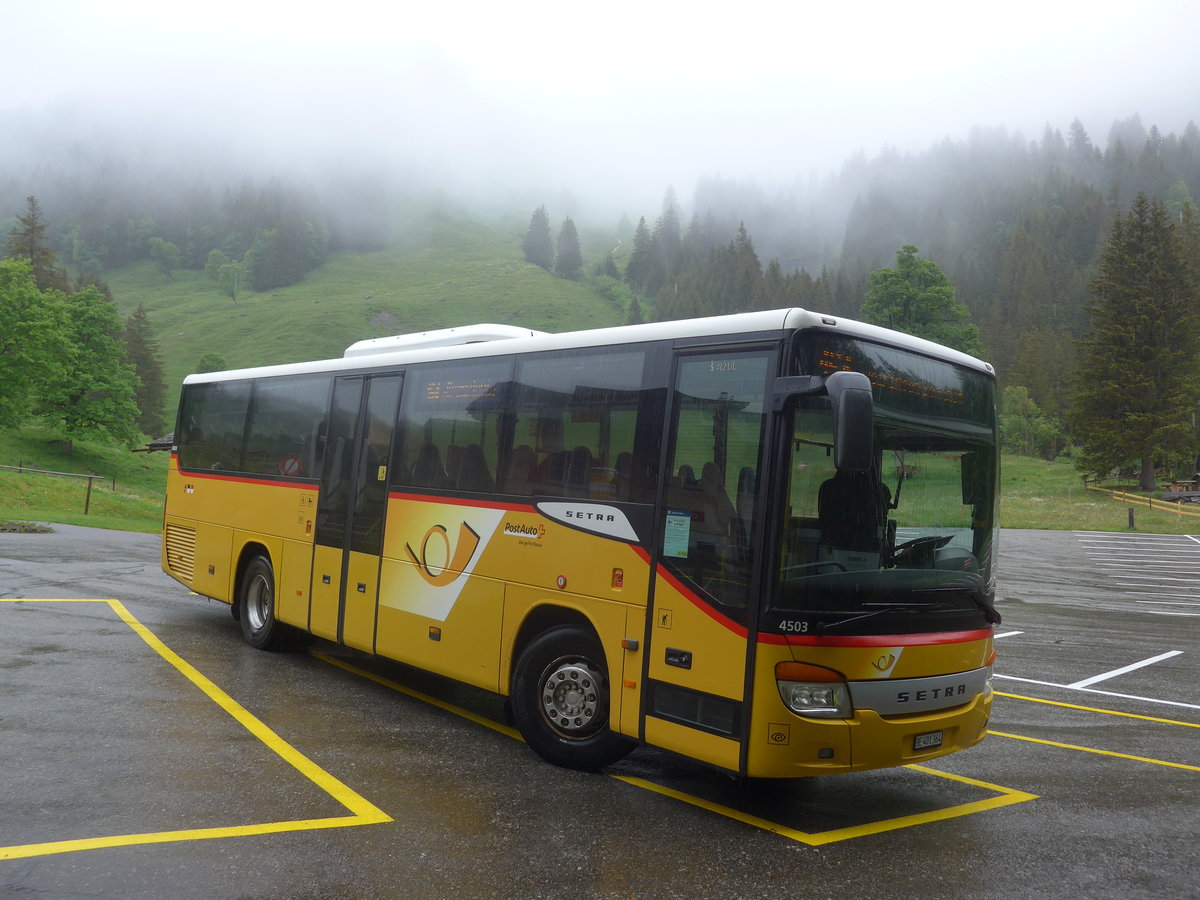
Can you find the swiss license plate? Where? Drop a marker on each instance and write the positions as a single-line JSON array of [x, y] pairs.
[[928, 741]]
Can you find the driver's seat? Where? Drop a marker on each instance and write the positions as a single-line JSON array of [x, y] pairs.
[[852, 510]]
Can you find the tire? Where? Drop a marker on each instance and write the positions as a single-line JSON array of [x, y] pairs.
[[560, 700], [256, 606]]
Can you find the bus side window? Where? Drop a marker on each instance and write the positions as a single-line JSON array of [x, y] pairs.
[[452, 421], [579, 414]]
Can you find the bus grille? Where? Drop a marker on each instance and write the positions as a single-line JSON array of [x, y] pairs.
[[180, 543]]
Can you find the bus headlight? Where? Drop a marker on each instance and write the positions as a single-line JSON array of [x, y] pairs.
[[813, 691]]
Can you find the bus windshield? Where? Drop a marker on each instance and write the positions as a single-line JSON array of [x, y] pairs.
[[907, 546]]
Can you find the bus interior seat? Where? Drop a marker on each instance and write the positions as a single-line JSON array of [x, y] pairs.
[[427, 471], [473, 473]]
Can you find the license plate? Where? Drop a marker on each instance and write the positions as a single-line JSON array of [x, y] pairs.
[[929, 741]]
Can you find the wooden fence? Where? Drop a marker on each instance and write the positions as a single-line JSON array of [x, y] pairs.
[[1180, 509], [87, 500]]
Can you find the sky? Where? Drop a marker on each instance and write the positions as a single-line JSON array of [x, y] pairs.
[[601, 98]]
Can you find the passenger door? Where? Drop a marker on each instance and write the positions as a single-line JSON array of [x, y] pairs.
[[701, 614], [351, 510]]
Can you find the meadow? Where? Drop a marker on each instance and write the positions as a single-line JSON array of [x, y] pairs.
[[441, 271]]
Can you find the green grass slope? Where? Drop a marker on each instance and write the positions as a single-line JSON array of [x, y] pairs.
[[447, 272]]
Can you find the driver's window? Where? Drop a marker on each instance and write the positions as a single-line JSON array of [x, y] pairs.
[[836, 521]]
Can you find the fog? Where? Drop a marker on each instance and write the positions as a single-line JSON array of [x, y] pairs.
[[603, 104]]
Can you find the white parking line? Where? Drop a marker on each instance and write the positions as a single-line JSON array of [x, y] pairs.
[[1087, 682], [1088, 690]]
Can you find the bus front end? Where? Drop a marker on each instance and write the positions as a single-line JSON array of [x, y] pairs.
[[875, 637]]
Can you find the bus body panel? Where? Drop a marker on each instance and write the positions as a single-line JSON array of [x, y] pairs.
[[294, 573], [708, 748], [361, 599], [891, 656], [463, 642], [326, 592], [716, 663]]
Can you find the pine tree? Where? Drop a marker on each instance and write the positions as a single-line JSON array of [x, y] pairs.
[[1138, 378], [28, 240], [568, 259], [538, 245], [641, 259], [141, 352]]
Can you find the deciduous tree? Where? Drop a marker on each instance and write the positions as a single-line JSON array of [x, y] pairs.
[[917, 298], [92, 394], [30, 339]]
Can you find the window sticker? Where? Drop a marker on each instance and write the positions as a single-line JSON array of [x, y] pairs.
[[678, 531]]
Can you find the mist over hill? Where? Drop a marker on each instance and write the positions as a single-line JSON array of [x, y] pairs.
[[1015, 221]]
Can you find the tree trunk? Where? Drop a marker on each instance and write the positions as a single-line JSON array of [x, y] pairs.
[[1146, 480]]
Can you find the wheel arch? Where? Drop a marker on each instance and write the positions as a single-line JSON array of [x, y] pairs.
[[250, 550], [539, 620]]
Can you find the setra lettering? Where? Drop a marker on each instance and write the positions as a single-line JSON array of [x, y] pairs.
[[589, 516]]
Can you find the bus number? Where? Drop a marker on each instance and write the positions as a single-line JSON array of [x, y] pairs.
[[794, 626]]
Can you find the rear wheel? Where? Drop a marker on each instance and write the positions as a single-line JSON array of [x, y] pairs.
[[560, 700], [256, 605]]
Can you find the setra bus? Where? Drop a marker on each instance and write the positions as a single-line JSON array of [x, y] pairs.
[[764, 541]]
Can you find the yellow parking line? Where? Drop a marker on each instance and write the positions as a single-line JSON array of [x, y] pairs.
[[362, 811], [1007, 796], [417, 695], [1061, 746], [1107, 712]]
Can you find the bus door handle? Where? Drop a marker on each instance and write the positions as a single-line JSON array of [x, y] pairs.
[[680, 658]]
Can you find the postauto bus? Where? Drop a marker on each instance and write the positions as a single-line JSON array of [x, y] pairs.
[[764, 541]]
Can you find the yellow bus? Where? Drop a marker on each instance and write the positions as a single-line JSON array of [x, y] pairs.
[[764, 541]]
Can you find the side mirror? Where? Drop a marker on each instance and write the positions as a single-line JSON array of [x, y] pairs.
[[853, 413], [853, 421], [974, 477]]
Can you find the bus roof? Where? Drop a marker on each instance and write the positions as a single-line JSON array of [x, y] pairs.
[[497, 340]]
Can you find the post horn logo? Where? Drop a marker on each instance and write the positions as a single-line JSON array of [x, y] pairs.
[[452, 562]]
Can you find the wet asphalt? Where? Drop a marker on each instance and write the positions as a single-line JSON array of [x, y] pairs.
[[148, 752]]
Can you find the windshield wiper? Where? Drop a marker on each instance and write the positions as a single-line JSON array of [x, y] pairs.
[[826, 628]]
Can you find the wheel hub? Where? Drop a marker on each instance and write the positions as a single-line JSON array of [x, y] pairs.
[[572, 694]]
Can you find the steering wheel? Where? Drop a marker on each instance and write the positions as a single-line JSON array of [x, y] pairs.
[[919, 546]]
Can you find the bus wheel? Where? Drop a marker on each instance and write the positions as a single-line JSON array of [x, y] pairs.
[[560, 700], [256, 605]]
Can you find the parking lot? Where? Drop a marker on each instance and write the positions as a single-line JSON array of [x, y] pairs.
[[148, 752]]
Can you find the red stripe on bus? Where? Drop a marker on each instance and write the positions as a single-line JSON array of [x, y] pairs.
[[246, 479], [459, 501], [878, 640], [719, 618]]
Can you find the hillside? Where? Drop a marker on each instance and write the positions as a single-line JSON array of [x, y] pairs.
[[445, 272]]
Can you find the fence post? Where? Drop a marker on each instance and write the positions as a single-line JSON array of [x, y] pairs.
[[1131, 525], [87, 500]]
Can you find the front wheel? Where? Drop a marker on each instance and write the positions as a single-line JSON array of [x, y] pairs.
[[256, 606], [560, 700]]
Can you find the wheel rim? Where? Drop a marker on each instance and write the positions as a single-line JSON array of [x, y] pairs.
[[257, 607], [572, 698]]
